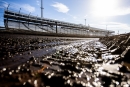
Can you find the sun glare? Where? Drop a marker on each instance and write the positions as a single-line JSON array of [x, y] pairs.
[[104, 8]]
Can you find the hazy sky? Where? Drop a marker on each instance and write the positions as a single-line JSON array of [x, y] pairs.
[[104, 14]]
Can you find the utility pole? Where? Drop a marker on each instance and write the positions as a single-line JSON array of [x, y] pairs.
[[42, 8]]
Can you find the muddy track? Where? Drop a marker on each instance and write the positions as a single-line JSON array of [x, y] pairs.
[[37, 61]]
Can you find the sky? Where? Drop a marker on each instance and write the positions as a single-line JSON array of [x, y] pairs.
[[105, 14]]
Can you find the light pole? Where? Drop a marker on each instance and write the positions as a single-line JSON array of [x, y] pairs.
[[85, 22], [19, 19], [19, 10], [106, 27], [42, 9], [8, 7]]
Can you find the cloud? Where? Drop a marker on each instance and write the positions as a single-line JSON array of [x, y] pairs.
[[28, 8], [120, 11], [24, 7], [108, 8], [86, 16], [74, 17], [38, 2], [115, 26], [3, 4], [123, 11], [60, 7], [110, 13], [119, 26], [16, 6], [123, 28]]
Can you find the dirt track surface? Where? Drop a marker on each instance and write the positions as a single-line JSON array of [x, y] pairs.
[[39, 61]]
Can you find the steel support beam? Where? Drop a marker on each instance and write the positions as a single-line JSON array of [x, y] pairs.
[[56, 27]]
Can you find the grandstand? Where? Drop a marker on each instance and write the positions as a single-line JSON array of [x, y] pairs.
[[15, 20]]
